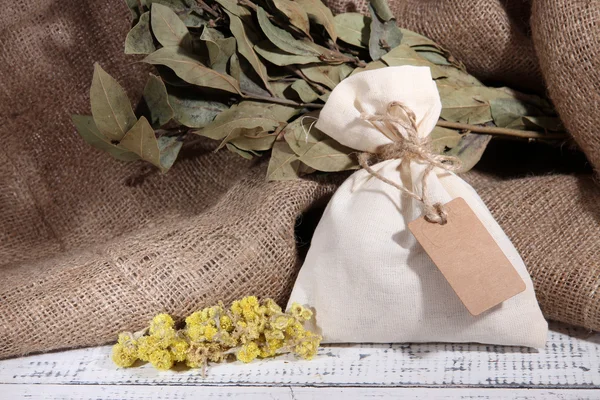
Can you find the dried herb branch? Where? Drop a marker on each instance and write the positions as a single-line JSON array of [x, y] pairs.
[[254, 80]]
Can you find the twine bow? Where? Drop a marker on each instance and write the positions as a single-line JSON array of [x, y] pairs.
[[401, 123]]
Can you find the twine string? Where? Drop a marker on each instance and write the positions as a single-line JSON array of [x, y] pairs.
[[401, 123]]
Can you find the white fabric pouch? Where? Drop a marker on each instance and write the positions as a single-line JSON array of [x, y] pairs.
[[365, 275]]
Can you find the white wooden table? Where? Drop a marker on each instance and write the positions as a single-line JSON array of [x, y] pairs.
[[569, 368]]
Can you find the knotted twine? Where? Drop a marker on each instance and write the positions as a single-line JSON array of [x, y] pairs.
[[400, 124]]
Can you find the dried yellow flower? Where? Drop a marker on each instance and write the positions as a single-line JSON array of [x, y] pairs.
[[247, 330], [162, 359], [124, 356], [248, 352]]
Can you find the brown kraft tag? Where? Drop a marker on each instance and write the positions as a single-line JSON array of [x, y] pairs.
[[468, 257]]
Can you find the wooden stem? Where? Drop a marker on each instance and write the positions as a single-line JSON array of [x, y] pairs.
[[491, 130], [279, 100]]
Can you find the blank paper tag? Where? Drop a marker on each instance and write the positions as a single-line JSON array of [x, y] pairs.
[[469, 258]]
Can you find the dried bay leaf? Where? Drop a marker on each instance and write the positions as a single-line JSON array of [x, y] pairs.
[[89, 132], [246, 38], [434, 57], [255, 140], [141, 140], [245, 154], [168, 28], [111, 108], [404, 55], [353, 28], [327, 75], [191, 70], [381, 8], [469, 150], [414, 39], [294, 12], [455, 76], [282, 38], [273, 54], [465, 104], [301, 134], [443, 139], [194, 111], [220, 49], [384, 36], [139, 39], [233, 7], [281, 89], [468, 147], [321, 14], [284, 164], [304, 91], [506, 110], [247, 84], [156, 97], [168, 147], [245, 116], [329, 156], [135, 10]]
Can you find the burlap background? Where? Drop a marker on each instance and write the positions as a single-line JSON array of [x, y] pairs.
[[566, 34], [90, 246]]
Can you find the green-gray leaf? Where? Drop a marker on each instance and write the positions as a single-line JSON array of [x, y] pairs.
[[193, 111], [284, 164], [321, 14], [139, 39], [254, 139], [301, 134], [382, 9], [294, 12], [156, 98], [465, 105], [245, 116], [167, 27], [468, 149], [191, 70], [89, 132], [506, 110], [246, 83], [278, 57], [245, 154], [353, 28], [111, 109], [220, 49], [168, 147], [384, 36], [141, 140], [283, 39], [328, 75], [246, 38], [329, 156], [304, 91]]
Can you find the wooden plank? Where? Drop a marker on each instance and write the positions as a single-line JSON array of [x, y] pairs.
[[571, 360], [107, 392]]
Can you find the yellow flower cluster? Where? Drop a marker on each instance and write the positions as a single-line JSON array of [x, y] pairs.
[[247, 330]]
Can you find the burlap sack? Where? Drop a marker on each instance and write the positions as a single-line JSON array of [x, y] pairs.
[[490, 36], [554, 222], [566, 34], [90, 246]]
